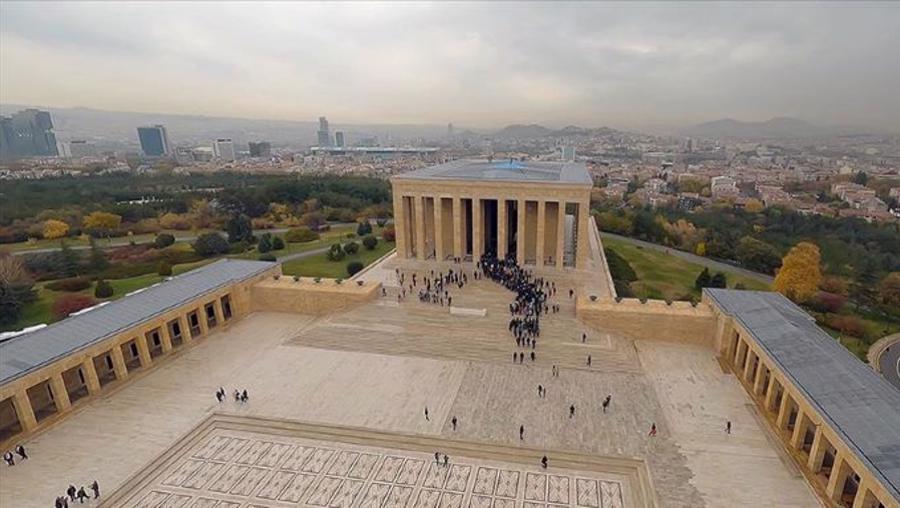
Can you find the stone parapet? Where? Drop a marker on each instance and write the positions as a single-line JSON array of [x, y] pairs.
[[308, 295], [680, 322]]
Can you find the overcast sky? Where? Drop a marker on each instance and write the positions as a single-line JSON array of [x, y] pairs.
[[475, 64]]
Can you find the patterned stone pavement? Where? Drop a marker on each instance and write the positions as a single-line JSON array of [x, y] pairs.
[[227, 468]]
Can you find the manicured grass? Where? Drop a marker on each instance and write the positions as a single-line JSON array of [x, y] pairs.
[[665, 276], [103, 243], [326, 239], [319, 265]]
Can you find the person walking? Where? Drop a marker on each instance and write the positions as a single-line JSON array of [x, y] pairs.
[[606, 402], [544, 462], [521, 432], [10, 460], [453, 422], [446, 460], [21, 451], [572, 411], [652, 430], [82, 495], [589, 360], [532, 356], [244, 396], [71, 492], [437, 458], [96, 488], [426, 414], [728, 427], [540, 391], [583, 338]]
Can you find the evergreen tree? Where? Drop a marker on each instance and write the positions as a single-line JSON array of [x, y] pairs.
[[69, 261], [97, 261], [239, 229], [703, 280], [718, 281], [265, 243]]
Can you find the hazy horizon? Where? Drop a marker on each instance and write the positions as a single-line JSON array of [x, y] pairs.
[[478, 65]]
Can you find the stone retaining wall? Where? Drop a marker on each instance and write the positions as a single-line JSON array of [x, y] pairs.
[[654, 320], [307, 296]]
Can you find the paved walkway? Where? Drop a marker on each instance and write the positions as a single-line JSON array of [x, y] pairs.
[[693, 258]]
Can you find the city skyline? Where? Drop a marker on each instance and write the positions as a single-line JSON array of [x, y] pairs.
[[480, 65]]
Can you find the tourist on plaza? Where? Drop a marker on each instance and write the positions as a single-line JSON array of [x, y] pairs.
[[426, 414], [244, 396], [583, 338], [652, 430], [21, 451], [219, 395], [237, 395], [96, 488], [521, 432], [71, 492], [82, 495], [532, 356], [572, 411], [589, 360], [544, 462], [453, 422], [540, 391], [728, 427], [606, 402], [8, 457], [437, 458], [446, 460]]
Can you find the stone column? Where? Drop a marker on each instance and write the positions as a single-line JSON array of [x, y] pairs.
[[799, 430], [748, 364], [784, 411], [863, 499], [582, 248], [60, 394], [520, 232], [24, 411], [217, 309], [401, 242], [839, 473], [561, 235], [91, 380], [771, 392], [477, 224], [458, 233], [439, 250], [201, 317], [816, 452], [419, 205], [143, 350], [166, 337], [501, 228], [541, 223], [118, 359], [760, 377], [185, 329]]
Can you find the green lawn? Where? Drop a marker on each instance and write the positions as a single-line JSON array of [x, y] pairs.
[[103, 243], [664, 276], [336, 233], [319, 266]]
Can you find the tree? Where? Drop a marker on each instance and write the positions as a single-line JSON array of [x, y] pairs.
[[103, 289], [163, 240], [69, 260], [351, 248], [388, 234], [703, 279], [800, 273], [67, 304], [313, 219], [300, 235], [165, 268], [335, 253], [370, 242], [700, 250], [757, 255], [364, 228], [861, 178], [101, 223], [277, 243], [354, 267], [718, 281], [54, 229], [265, 243], [16, 288], [210, 244], [97, 261], [889, 290], [239, 229], [754, 206]]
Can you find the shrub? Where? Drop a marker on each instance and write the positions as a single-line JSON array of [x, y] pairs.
[[354, 267], [388, 234], [163, 240], [851, 325], [103, 289], [70, 285], [265, 243], [370, 242], [381, 222], [335, 253], [267, 257], [827, 302], [718, 281], [68, 304], [300, 235], [351, 248], [364, 228], [210, 244], [277, 243], [165, 268]]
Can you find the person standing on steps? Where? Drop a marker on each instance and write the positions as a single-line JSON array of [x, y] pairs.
[[521, 432], [544, 462], [426, 414], [453, 422], [728, 427]]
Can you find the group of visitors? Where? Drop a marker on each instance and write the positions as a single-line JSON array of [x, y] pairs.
[[79, 494], [434, 289], [239, 395], [11, 459]]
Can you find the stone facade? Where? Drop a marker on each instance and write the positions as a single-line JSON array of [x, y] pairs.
[[306, 296]]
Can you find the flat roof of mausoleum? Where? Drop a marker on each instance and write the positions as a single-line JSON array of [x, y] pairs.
[[504, 170]]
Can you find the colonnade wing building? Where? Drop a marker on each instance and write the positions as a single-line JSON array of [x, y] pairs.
[[537, 211]]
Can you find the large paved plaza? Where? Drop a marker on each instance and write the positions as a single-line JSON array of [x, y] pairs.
[[375, 368]]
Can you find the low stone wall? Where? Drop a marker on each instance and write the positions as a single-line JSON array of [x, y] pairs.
[[654, 320], [876, 350], [306, 296]]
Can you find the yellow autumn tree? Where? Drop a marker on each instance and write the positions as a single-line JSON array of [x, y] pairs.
[[103, 223], [55, 229], [800, 273]]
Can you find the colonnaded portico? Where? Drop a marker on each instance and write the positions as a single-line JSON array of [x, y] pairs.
[[537, 211]]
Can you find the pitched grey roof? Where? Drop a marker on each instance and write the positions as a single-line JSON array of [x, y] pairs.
[[505, 170], [855, 400], [25, 353]]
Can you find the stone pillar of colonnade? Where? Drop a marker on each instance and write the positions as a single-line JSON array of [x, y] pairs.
[[582, 249], [24, 411], [60, 394], [520, 232], [477, 232], [166, 337], [438, 228], [119, 367], [561, 235], [458, 232], [400, 222], [91, 380], [185, 329], [502, 241], [143, 350], [419, 221], [539, 246]]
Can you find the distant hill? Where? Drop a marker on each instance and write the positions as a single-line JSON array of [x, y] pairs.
[[519, 131], [782, 127]]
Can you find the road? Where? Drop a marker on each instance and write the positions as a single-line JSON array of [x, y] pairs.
[[693, 258], [890, 364]]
